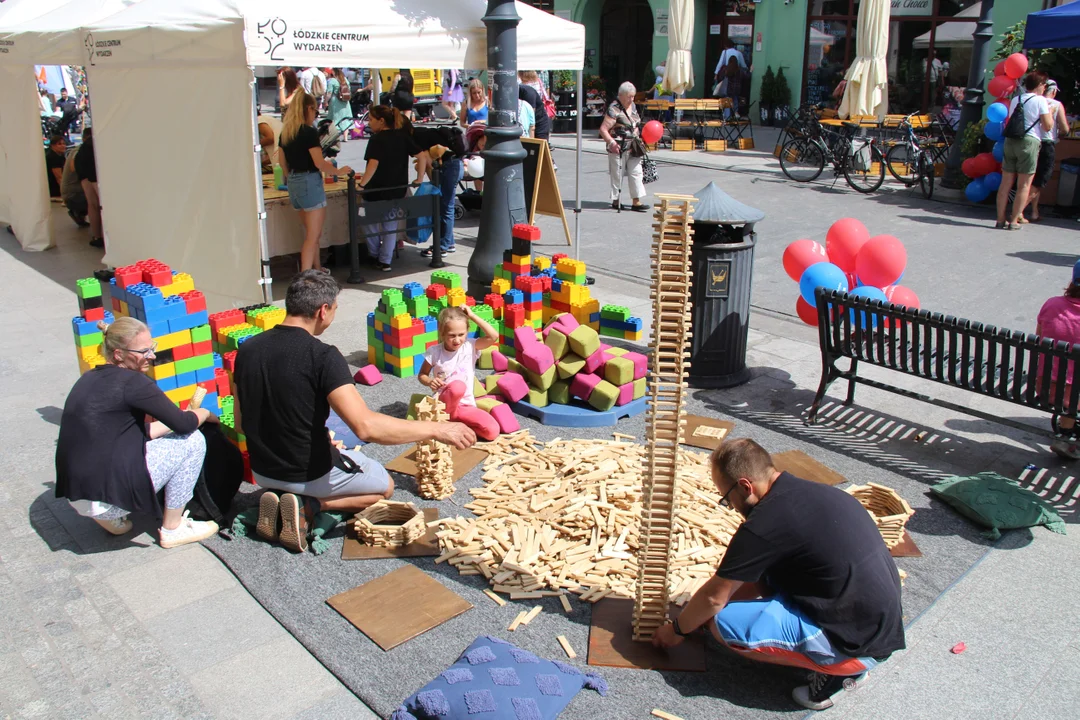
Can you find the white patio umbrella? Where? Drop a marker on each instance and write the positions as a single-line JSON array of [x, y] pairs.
[[867, 91], [679, 75]]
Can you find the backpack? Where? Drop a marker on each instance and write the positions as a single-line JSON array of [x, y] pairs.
[[343, 93], [1014, 126], [318, 86], [219, 481]]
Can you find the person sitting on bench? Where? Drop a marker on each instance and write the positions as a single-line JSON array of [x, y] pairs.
[[806, 581], [1059, 319], [287, 380]]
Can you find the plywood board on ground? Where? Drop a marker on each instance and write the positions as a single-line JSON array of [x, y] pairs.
[[464, 461], [706, 433], [398, 606], [426, 546], [906, 548], [802, 465], [611, 642]]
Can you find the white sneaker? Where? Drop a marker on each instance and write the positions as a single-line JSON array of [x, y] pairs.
[[188, 531], [117, 526], [1065, 449]]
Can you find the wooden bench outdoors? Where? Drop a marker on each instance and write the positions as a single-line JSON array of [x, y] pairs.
[[982, 359]]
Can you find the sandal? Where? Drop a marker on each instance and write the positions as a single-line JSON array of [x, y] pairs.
[[1001, 225], [1014, 226]]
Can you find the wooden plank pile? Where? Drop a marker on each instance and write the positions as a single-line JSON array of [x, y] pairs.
[[890, 511], [389, 524], [565, 517], [434, 460]]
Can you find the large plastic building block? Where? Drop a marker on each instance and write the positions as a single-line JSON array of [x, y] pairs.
[[570, 366], [619, 371], [584, 341], [505, 417], [512, 386], [367, 375], [582, 385], [641, 364], [604, 395]]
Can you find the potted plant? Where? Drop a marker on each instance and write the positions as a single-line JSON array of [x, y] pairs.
[[564, 88], [781, 97], [766, 96]]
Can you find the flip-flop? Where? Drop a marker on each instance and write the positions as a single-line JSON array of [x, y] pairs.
[[1022, 220], [1015, 226]]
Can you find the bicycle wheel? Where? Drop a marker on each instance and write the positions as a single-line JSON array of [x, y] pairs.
[[802, 159], [866, 177], [900, 160], [926, 175]]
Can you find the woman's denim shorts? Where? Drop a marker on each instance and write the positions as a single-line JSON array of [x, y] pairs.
[[306, 191]]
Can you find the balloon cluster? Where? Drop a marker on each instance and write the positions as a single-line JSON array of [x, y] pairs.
[[985, 168], [850, 261]]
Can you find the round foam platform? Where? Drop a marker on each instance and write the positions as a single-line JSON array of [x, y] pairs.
[[578, 414]]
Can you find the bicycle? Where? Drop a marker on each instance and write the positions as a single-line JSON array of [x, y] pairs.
[[909, 162], [858, 159]]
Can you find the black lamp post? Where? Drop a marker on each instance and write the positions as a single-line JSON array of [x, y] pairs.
[[504, 186], [972, 111]]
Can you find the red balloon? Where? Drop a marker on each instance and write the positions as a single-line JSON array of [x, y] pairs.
[[881, 261], [900, 295], [999, 69], [800, 255], [852, 281], [968, 168], [652, 132], [1016, 65], [806, 313], [1002, 86], [985, 164], [843, 241]]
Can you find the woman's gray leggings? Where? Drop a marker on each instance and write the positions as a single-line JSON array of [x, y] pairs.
[[174, 462]]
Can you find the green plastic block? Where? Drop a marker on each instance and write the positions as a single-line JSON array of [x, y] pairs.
[[418, 306], [185, 365], [88, 288], [570, 366], [478, 388], [615, 312], [559, 392], [507, 350], [617, 352], [484, 312], [200, 333], [584, 341], [416, 398], [88, 340], [487, 404], [539, 398], [447, 279], [619, 371], [391, 296], [639, 388], [490, 383], [603, 396], [540, 382], [395, 309], [558, 343], [484, 362]]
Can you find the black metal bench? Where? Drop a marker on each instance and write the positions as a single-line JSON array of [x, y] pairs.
[[983, 359]]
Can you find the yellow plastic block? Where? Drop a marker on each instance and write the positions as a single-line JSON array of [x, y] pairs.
[[549, 313], [371, 354], [182, 283], [380, 326], [168, 342], [456, 297], [401, 322], [85, 353], [500, 286], [123, 311], [542, 263], [165, 370], [401, 363], [521, 259], [180, 394], [169, 290]]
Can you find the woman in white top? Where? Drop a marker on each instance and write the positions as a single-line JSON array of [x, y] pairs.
[[1022, 153], [1049, 138]]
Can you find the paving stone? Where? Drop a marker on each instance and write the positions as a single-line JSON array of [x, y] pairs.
[[169, 582]]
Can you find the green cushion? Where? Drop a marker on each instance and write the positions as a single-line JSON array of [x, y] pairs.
[[570, 366], [619, 371], [539, 398], [478, 388], [997, 503], [489, 383], [584, 341], [485, 358], [603, 396], [542, 381], [560, 392], [558, 343]]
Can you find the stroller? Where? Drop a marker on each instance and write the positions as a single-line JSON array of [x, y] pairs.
[[468, 197], [330, 135]]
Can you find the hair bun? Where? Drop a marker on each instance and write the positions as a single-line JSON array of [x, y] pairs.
[[103, 326]]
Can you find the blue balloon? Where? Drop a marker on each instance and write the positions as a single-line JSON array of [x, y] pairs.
[[999, 151], [994, 131], [975, 191], [822, 274], [997, 113], [991, 181], [870, 293]]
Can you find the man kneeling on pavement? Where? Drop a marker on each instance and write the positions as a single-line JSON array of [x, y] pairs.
[[287, 380], [806, 581]]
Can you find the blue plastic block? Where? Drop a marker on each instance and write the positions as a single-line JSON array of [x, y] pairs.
[[214, 409], [158, 329], [218, 362], [556, 285], [204, 375], [174, 307], [186, 322], [240, 341], [513, 296], [210, 402], [371, 319], [88, 327], [578, 414], [166, 384], [185, 379], [379, 335], [594, 317], [431, 324], [144, 295], [412, 290]]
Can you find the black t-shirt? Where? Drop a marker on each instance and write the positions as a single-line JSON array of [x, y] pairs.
[[820, 547], [298, 152], [66, 105], [283, 379], [53, 161], [101, 452], [530, 95], [85, 167], [392, 148]]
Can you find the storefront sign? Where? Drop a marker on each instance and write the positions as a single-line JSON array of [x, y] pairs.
[[714, 29], [740, 31], [660, 25], [912, 8]]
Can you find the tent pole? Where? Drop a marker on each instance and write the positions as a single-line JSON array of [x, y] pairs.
[[577, 171], [264, 248]]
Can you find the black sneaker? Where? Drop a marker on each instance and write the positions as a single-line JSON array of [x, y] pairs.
[[384, 267], [81, 222], [818, 695], [97, 242], [426, 252]]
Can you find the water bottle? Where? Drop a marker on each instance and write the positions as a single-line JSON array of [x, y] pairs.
[[279, 177]]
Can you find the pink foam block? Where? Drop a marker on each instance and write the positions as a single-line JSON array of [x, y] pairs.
[[498, 361], [536, 357], [583, 383], [604, 347], [641, 364], [512, 386], [626, 394], [568, 321], [594, 362], [505, 417], [524, 337], [368, 375]]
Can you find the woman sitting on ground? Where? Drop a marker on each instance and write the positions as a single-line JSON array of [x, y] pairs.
[[1059, 319], [111, 462]]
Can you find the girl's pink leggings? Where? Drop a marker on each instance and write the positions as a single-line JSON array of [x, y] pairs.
[[485, 426]]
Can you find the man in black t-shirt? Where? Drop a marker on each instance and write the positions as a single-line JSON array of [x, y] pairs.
[[54, 164], [543, 123], [287, 380], [806, 581]]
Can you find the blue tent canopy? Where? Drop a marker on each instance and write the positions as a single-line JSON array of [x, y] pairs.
[[1054, 28]]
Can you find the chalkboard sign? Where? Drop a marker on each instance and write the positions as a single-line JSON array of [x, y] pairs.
[[816, 92]]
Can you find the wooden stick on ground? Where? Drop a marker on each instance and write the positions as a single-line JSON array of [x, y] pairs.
[[517, 621], [566, 647]]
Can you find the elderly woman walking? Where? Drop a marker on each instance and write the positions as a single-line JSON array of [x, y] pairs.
[[621, 131], [110, 461]]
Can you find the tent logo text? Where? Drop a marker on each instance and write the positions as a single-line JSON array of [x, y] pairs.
[[272, 31]]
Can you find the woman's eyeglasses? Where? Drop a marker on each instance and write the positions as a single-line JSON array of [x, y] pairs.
[[148, 351]]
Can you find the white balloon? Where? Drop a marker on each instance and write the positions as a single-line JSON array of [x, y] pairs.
[[475, 167]]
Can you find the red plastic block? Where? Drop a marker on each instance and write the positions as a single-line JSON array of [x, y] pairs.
[[208, 385], [229, 360], [368, 375], [183, 352], [203, 348], [545, 283], [557, 257], [94, 314], [225, 318], [526, 232], [470, 301], [221, 378], [434, 292], [194, 301], [513, 316]]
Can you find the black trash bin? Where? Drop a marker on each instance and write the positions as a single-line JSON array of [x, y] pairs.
[[722, 260]]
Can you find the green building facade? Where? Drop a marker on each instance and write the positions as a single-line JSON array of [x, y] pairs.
[[812, 40]]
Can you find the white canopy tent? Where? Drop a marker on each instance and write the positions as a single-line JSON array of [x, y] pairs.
[[182, 186], [952, 34]]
